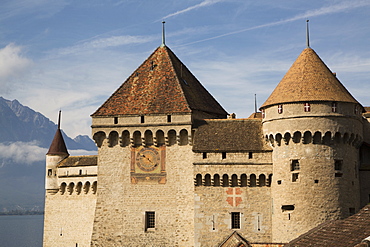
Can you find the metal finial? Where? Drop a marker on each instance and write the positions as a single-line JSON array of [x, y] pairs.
[[255, 103], [60, 115], [307, 35], [163, 35]]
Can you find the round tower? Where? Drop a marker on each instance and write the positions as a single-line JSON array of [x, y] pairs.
[[57, 152], [314, 126]]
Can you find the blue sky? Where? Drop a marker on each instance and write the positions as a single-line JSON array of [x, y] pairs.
[[72, 55]]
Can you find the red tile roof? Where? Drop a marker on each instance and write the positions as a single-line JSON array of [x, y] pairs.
[[161, 85], [309, 79], [338, 233]]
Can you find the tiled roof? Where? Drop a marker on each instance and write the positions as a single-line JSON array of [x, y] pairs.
[[58, 146], [91, 160], [230, 135], [235, 240], [309, 79], [161, 85], [338, 233]]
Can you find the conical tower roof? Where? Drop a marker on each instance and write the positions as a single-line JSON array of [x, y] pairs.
[[160, 85], [58, 146], [309, 79]]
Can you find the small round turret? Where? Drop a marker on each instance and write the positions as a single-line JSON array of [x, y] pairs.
[[57, 152]]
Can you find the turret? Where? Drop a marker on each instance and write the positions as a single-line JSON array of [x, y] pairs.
[[57, 152], [315, 128]]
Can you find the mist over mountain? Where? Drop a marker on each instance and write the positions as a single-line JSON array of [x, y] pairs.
[[25, 136]]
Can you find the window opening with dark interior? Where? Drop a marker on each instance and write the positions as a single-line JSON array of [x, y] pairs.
[[115, 120], [235, 220], [250, 155], [149, 220], [169, 119], [223, 155], [338, 165], [142, 119], [295, 165], [295, 177], [204, 155]]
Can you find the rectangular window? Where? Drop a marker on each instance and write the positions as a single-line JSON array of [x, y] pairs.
[[115, 120], [169, 119], [223, 155], [294, 166], [204, 155], [338, 165], [334, 107], [295, 177], [250, 155], [280, 109], [142, 120], [235, 220], [50, 172], [149, 220], [307, 107]]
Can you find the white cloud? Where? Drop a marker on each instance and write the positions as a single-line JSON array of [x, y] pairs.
[[194, 7], [12, 63], [22, 152]]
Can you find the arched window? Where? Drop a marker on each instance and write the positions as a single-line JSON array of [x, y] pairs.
[[125, 138], [297, 136], [160, 138], [243, 180], [307, 137], [171, 137], [198, 180], [78, 188], [86, 187], [113, 138], [207, 180], [225, 180], [216, 180], [262, 180], [148, 135], [327, 138], [234, 180], [271, 139], [137, 138], [337, 137], [317, 138], [278, 138], [287, 138], [63, 188], [252, 180], [99, 138], [184, 139], [70, 188], [345, 138], [95, 187]]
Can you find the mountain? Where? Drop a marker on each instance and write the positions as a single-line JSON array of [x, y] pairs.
[[25, 136]]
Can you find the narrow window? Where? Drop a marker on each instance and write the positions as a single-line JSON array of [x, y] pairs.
[[204, 155], [50, 172], [263, 113], [338, 165], [80, 172], [169, 119], [115, 120], [307, 107], [352, 211], [280, 109], [250, 155], [295, 177], [235, 220], [356, 109], [223, 155], [294, 166], [149, 220], [142, 120], [334, 107]]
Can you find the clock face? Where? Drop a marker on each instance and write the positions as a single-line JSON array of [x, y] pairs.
[[147, 159]]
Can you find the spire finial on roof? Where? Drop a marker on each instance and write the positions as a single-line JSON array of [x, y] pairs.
[[59, 117], [307, 35], [163, 35], [255, 103]]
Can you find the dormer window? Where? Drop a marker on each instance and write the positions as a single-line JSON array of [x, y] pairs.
[[334, 107], [307, 107], [280, 109]]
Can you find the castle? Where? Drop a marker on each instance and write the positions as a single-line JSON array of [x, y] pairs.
[[174, 169]]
